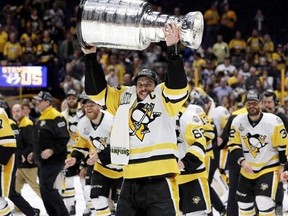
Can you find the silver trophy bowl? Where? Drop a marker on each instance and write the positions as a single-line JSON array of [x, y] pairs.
[[131, 24]]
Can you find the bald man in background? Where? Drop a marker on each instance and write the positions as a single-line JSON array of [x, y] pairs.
[[26, 170]]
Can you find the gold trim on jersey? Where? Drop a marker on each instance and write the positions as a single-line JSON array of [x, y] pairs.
[[109, 173], [274, 159], [203, 181], [275, 182], [248, 213], [6, 176], [105, 212], [8, 143], [174, 191], [150, 149], [198, 152], [184, 178], [6, 210], [262, 172], [151, 168]]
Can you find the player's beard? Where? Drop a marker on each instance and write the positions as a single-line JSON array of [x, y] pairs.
[[254, 111]]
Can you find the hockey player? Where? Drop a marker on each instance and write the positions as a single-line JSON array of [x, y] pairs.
[[193, 181], [143, 137], [93, 135], [260, 150], [72, 115], [219, 116], [7, 159]]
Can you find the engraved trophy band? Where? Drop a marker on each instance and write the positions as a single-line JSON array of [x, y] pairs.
[[131, 24]]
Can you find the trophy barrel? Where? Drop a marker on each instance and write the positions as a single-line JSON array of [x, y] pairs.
[[113, 24]]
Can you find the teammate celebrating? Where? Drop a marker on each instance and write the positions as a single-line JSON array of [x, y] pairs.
[[260, 150]]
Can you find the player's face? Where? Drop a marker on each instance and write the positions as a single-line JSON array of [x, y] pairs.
[[91, 110], [72, 102], [144, 87], [268, 104], [253, 107]]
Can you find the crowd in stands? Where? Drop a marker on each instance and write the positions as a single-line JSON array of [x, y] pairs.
[[43, 32]]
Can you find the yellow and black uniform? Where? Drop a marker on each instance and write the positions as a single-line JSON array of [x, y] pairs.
[[263, 148], [193, 181], [106, 176], [68, 191], [209, 132], [22, 135], [52, 134], [7, 159], [148, 126], [233, 166]]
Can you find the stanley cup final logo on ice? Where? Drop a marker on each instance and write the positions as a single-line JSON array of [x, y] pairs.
[[131, 24]]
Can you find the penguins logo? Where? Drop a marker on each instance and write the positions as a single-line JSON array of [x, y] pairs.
[[99, 142], [142, 115], [254, 143], [196, 200]]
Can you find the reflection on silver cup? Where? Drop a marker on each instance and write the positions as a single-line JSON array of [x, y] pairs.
[[131, 24]]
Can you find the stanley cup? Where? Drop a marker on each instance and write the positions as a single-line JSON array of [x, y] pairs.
[[131, 24]]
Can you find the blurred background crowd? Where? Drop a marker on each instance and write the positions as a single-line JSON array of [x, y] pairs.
[[244, 46]]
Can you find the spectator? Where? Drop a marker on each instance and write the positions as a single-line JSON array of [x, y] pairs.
[[237, 48], [67, 47], [228, 22], [29, 56], [9, 28], [259, 22], [70, 83], [227, 68], [220, 49], [3, 41], [252, 79], [13, 50], [36, 22], [268, 47], [222, 90], [211, 18]]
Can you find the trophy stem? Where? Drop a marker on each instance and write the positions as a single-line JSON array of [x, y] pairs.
[[152, 25]]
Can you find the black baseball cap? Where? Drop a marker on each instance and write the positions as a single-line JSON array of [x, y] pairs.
[[86, 98], [253, 95], [147, 73], [43, 95]]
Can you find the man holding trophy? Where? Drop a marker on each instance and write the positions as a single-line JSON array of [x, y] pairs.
[[148, 149], [143, 138]]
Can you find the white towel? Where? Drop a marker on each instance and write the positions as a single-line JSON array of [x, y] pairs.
[[119, 140]]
